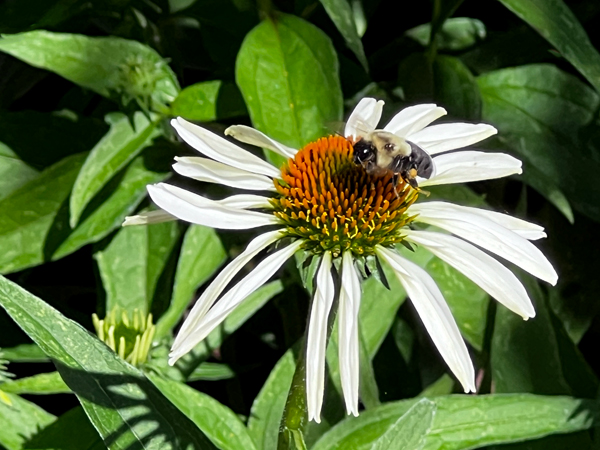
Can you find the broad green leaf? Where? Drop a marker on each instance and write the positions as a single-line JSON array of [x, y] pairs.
[[466, 422], [524, 357], [201, 255], [267, 409], [29, 215], [71, 431], [340, 13], [234, 320], [208, 371], [24, 353], [132, 263], [208, 101], [457, 33], [410, 430], [537, 356], [14, 172], [220, 424], [124, 406], [116, 68], [558, 25], [42, 383], [123, 142], [543, 114], [118, 199], [34, 226], [20, 421], [287, 70]]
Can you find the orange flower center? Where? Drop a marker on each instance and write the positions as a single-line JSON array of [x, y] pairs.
[[334, 205]]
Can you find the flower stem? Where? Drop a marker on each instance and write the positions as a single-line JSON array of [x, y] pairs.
[[295, 416]]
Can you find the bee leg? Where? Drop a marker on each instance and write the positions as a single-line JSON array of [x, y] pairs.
[[395, 179]]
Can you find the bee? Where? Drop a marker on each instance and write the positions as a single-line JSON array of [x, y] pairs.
[[381, 152]]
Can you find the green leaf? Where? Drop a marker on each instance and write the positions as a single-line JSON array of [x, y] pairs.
[[287, 70], [123, 142], [60, 435], [220, 424], [34, 227], [118, 199], [466, 422], [542, 115], [124, 406], [42, 383], [14, 172], [208, 371], [24, 353], [132, 263], [409, 431], [537, 356], [30, 214], [457, 33], [340, 13], [208, 101], [116, 68], [20, 421], [201, 255], [558, 25], [267, 409]]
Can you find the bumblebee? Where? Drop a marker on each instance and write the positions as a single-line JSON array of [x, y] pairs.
[[381, 152]]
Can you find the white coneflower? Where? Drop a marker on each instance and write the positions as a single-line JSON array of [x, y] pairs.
[[327, 205]]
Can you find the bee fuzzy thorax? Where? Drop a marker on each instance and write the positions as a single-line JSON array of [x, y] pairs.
[[381, 152]]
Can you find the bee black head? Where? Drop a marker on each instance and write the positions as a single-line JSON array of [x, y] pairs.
[[364, 152]]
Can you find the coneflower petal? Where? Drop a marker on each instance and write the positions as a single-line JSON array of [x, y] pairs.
[[316, 342]]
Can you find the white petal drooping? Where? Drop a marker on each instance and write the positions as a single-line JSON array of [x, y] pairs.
[[202, 211], [210, 171], [489, 235], [316, 343], [349, 302], [212, 292], [482, 269], [232, 299], [435, 314]]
